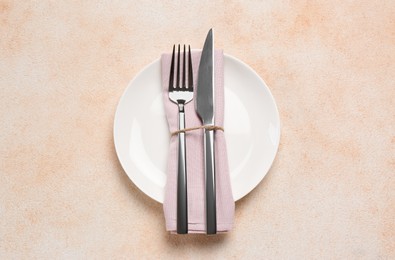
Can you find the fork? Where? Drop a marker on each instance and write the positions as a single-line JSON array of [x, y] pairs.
[[181, 93]]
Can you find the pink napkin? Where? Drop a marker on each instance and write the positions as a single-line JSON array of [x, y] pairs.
[[195, 156]]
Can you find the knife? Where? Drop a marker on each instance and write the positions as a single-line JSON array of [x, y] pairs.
[[204, 105]]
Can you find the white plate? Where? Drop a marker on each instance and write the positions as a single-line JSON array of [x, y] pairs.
[[252, 129]]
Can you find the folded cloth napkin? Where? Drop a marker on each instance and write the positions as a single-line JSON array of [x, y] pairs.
[[195, 156]]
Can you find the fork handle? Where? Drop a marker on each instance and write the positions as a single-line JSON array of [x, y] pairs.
[[209, 162], [182, 199]]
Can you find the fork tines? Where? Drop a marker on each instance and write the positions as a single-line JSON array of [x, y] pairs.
[[185, 83]]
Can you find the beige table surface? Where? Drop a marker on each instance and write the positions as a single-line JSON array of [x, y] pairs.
[[329, 64]]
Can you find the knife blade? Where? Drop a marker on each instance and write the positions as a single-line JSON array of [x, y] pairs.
[[204, 105]]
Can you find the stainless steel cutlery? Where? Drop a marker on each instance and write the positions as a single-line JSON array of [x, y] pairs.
[[181, 92], [204, 106]]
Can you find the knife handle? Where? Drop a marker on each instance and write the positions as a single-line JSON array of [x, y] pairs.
[[182, 199], [209, 162]]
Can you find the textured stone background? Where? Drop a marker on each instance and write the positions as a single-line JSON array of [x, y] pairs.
[[329, 64]]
